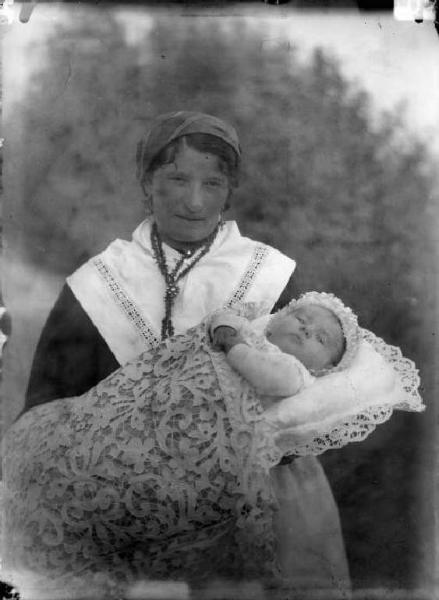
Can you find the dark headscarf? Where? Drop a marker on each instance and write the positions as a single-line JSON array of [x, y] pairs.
[[172, 126]]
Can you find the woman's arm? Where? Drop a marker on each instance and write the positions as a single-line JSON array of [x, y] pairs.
[[71, 356]]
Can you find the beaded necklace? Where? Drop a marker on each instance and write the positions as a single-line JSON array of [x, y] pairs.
[[173, 277]]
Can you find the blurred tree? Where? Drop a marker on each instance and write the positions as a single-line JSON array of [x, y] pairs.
[[72, 188], [349, 198]]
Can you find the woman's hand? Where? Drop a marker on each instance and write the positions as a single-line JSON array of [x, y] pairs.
[[225, 337]]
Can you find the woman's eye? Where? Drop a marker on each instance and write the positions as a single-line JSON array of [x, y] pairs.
[[178, 178], [213, 183]]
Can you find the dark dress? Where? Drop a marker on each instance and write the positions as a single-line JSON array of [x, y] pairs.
[[71, 355]]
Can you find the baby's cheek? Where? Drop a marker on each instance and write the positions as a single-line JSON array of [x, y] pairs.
[[326, 359], [284, 344], [275, 338]]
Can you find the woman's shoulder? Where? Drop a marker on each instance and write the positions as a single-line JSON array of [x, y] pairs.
[[121, 259], [117, 248]]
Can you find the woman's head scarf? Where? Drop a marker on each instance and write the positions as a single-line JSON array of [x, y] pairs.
[[171, 126]]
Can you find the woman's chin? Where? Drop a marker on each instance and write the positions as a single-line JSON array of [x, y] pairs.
[[191, 234]]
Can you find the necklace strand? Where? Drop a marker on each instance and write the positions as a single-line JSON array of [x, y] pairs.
[[173, 277]]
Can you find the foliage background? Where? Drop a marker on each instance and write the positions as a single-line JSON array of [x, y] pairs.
[[349, 197]]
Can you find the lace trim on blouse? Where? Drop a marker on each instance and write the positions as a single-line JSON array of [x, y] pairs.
[[125, 303], [256, 261]]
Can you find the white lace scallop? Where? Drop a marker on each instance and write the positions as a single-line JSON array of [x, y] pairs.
[[406, 369]]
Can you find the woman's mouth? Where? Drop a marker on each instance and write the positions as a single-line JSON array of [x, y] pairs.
[[191, 219]]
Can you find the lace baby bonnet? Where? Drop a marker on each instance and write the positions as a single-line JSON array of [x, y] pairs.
[[345, 405]]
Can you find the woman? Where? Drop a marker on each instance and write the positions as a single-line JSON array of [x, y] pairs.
[[182, 264], [178, 267]]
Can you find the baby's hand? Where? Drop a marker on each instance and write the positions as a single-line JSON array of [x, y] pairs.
[[225, 337]]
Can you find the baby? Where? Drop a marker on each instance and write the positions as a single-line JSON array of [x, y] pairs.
[[310, 337]]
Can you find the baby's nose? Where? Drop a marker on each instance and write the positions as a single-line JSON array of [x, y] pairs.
[[306, 330]]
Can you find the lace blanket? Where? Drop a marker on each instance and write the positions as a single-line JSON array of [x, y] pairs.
[[161, 471], [153, 473]]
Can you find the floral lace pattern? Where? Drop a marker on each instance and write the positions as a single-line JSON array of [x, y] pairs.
[[317, 440], [150, 474]]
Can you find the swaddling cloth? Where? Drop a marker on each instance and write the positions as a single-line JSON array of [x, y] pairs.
[[162, 470]]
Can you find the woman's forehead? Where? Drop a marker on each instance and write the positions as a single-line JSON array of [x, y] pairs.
[[189, 159]]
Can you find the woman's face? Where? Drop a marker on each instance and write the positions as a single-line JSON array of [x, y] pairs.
[[188, 196]]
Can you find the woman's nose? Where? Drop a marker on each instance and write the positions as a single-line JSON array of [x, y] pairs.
[[194, 200]]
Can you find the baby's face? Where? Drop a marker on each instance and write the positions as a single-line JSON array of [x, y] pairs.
[[311, 333]]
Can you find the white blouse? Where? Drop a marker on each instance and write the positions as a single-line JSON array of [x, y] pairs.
[[122, 289]]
